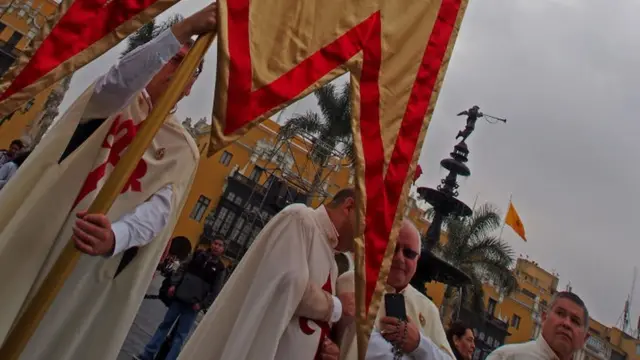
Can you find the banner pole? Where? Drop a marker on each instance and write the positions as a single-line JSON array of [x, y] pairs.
[[28, 322]]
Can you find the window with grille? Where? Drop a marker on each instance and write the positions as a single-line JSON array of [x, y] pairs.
[[491, 307], [199, 209], [528, 293], [225, 158], [226, 225], [515, 321], [14, 40], [236, 229], [256, 174], [222, 213]]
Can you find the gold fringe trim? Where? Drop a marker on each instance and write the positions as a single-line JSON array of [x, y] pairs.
[[365, 329], [75, 62]]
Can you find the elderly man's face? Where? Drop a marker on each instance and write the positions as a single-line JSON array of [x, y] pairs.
[[405, 259]]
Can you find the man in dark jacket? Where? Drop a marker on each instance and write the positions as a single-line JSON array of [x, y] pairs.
[[193, 288]]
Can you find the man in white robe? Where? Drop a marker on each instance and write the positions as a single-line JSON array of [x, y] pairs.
[[279, 302], [45, 205], [422, 336], [564, 331]]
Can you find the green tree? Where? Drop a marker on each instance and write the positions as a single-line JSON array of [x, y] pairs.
[[149, 31], [331, 129], [473, 248]]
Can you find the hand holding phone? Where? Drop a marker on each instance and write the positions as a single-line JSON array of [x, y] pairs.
[[394, 306]]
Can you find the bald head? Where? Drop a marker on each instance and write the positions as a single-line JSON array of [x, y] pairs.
[[405, 259], [410, 230]]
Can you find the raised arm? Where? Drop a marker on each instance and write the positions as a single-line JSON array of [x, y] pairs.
[[135, 70], [130, 75]]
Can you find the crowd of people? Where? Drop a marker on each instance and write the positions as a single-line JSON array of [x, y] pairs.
[[314, 309], [285, 299]]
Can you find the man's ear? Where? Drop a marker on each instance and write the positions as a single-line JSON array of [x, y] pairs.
[[350, 203]]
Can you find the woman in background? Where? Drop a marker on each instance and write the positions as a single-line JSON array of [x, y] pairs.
[[462, 340]]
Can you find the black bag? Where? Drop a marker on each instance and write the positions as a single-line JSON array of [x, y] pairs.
[[163, 293]]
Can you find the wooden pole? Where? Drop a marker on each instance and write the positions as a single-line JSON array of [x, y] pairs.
[[26, 325]]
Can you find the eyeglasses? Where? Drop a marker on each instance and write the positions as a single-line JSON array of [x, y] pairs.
[[407, 253]]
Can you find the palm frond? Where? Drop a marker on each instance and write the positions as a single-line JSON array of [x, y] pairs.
[[482, 256], [309, 122], [493, 248], [140, 37], [329, 102], [172, 20], [484, 220]]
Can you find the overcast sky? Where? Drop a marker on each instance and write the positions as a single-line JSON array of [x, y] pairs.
[[564, 74]]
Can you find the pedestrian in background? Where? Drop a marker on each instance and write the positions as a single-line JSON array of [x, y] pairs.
[[193, 288]]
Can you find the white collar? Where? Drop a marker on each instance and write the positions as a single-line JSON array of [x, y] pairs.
[[544, 347], [323, 219]]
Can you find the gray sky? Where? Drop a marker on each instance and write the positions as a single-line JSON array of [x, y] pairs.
[[564, 74]]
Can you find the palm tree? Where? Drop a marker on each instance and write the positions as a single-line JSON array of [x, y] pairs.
[[149, 31], [331, 128], [484, 257]]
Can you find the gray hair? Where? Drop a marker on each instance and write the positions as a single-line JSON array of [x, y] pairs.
[[408, 223], [574, 299]]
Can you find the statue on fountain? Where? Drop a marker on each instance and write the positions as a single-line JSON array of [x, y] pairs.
[[473, 115]]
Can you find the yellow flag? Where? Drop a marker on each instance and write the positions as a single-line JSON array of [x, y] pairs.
[[513, 220]]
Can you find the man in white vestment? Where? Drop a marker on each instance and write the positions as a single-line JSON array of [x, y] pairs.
[[46, 205], [422, 336], [279, 302], [564, 331]]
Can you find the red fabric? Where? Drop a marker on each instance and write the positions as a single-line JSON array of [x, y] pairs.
[[383, 190], [325, 328], [86, 22], [116, 149], [417, 174]]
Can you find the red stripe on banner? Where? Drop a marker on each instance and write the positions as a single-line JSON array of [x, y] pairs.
[[287, 86], [383, 193], [86, 22], [376, 231]]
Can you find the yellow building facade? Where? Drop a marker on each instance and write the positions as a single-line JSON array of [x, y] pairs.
[[251, 161], [20, 21]]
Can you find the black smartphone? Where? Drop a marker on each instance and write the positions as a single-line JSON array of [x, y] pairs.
[[394, 306]]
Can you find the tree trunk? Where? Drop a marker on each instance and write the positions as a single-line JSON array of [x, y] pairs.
[[448, 305], [51, 110]]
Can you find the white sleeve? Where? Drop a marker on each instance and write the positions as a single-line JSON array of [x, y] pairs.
[[139, 227], [336, 313], [130, 75], [6, 172], [427, 350]]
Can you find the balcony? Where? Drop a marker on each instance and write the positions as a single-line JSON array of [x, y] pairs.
[[249, 183]]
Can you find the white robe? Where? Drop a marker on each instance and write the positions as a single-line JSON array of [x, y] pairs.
[[94, 309], [532, 350], [257, 313], [422, 311]]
